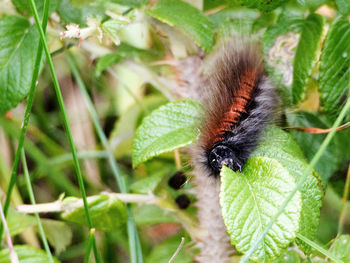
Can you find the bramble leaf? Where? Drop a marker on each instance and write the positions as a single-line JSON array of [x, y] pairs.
[[26, 254], [262, 5], [335, 67], [281, 147], [18, 45], [172, 126], [305, 55], [188, 18], [108, 213], [250, 199]]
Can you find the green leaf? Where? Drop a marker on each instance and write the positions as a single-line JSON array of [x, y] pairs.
[[18, 45], [343, 6], [341, 248], [58, 233], [279, 42], [148, 184], [125, 51], [172, 126], [18, 222], [250, 199], [188, 18], [24, 5], [290, 256], [108, 213], [151, 214], [26, 254], [335, 67], [107, 61], [230, 20], [130, 3], [69, 14], [305, 55], [262, 5], [312, 4], [164, 251], [280, 146]]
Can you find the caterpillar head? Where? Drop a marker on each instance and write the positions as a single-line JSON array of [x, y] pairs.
[[221, 155]]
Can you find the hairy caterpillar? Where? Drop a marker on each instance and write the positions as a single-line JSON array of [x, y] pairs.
[[239, 102]]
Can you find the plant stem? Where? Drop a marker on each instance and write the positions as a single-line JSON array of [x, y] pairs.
[[32, 201], [314, 160], [26, 114], [65, 120], [319, 248], [134, 244], [343, 205], [89, 245]]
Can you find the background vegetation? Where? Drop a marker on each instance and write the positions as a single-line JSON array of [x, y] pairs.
[[78, 78]]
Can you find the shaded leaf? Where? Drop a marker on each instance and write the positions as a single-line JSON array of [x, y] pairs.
[[26, 254], [148, 184], [335, 67], [305, 55], [58, 233], [18, 45], [164, 251], [24, 5], [183, 15], [263, 5], [250, 199], [18, 222], [108, 213], [343, 6], [151, 214], [172, 126]]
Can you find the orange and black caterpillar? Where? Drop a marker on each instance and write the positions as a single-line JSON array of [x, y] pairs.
[[239, 102]]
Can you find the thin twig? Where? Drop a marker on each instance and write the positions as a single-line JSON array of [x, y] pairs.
[[177, 250], [344, 199], [177, 159], [319, 130], [12, 252]]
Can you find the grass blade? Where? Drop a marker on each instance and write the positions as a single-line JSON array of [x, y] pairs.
[[65, 120], [26, 115], [134, 243], [32, 201]]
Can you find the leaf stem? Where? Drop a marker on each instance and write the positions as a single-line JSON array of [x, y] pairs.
[[32, 201], [314, 160], [134, 244], [65, 118], [26, 114]]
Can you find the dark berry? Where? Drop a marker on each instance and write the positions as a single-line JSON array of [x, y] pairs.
[[177, 180], [182, 201]]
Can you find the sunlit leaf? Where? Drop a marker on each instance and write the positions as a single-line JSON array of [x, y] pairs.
[[190, 19], [170, 127], [26, 254], [250, 199], [108, 213]]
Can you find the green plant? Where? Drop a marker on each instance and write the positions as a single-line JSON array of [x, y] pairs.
[[130, 73]]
